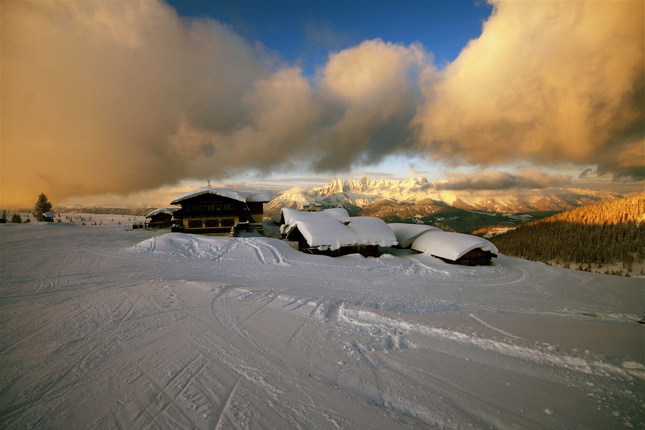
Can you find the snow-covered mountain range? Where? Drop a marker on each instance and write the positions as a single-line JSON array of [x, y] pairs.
[[360, 194]]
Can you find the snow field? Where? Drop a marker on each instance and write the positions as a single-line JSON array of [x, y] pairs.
[[107, 328]]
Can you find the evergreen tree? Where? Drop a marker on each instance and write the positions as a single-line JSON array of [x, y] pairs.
[[42, 206], [3, 218], [16, 218]]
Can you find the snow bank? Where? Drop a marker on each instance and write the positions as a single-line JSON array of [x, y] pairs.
[[451, 246], [197, 247], [406, 233]]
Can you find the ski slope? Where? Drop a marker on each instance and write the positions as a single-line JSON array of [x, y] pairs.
[[107, 328]]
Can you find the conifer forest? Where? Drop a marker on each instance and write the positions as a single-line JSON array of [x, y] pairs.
[[586, 238]]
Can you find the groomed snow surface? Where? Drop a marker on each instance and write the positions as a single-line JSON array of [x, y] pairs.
[[107, 328]]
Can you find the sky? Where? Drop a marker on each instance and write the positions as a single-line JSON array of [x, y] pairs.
[[131, 103]]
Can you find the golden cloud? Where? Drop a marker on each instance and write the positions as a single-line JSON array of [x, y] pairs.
[[546, 82]]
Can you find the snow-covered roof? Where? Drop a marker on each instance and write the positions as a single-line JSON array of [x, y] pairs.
[[49, 214], [293, 215], [451, 246], [168, 211], [407, 233], [325, 233], [372, 231], [242, 196]]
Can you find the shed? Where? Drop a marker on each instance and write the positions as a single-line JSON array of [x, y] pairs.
[[456, 248], [49, 216]]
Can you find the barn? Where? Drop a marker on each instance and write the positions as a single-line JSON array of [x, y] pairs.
[[216, 211]]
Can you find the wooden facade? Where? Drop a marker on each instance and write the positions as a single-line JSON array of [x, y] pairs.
[[160, 218], [476, 257], [215, 212]]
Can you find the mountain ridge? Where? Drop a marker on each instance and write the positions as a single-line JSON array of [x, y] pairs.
[[361, 193]]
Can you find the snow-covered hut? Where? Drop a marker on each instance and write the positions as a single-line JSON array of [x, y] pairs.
[[161, 218], [456, 248], [49, 216], [333, 232], [218, 210]]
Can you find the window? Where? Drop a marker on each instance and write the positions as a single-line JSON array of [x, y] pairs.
[[228, 222], [195, 223], [212, 223]]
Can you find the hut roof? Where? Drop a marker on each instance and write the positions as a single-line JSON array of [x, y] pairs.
[[450, 246], [168, 211], [293, 215], [258, 196]]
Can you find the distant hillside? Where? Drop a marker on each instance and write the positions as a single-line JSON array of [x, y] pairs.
[[590, 237], [444, 216], [100, 210]]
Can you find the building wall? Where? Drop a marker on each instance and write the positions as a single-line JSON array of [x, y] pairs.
[[209, 224], [257, 211], [214, 214]]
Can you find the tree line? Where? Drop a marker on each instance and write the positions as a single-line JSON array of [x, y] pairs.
[[589, 236], [42, 206]]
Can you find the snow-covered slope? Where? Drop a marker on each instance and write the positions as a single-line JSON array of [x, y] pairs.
[[363, 192], [107, 328]]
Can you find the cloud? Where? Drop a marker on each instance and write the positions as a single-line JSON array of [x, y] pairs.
[[497, 180], [546, 82], [370, 94], [96, 93], [120, 97], [124, 97]]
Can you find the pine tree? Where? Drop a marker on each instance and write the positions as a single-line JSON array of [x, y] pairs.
[[42, 206]]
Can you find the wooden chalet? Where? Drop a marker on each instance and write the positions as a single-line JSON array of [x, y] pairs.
[[216, 211], [49, 216]]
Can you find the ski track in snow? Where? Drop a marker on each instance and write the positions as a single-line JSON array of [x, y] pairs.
[[103, 328]]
